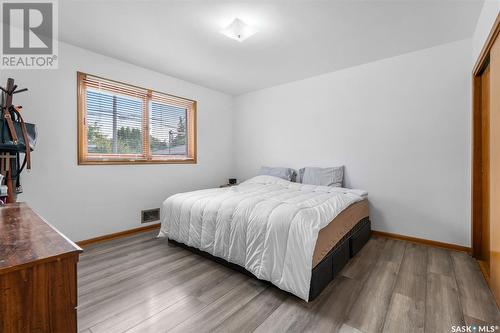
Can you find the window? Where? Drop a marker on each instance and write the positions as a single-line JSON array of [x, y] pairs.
[[123, 124]]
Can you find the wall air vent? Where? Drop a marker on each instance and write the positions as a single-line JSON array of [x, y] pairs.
[[150, 215]]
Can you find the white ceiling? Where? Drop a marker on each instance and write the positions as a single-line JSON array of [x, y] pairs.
[[296, 39]]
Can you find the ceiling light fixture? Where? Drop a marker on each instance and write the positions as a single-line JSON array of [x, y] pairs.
[[238, 30]]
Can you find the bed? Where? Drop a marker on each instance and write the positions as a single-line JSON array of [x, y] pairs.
[[296, 236]]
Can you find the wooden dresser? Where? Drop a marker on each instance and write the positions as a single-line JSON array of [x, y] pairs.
[[37, 274]]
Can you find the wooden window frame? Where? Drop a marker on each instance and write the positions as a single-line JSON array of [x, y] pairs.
[[147, 157]]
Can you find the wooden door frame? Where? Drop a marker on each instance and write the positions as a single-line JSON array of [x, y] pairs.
[[476, 183]]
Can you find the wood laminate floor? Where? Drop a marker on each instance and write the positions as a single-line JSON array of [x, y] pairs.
[[142, 284]]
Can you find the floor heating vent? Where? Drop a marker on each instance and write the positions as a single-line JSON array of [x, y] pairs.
[[150, 215]]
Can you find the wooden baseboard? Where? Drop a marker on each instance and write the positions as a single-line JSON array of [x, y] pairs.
[[130, 232], [484, 270], [422, 241], [116, 235]]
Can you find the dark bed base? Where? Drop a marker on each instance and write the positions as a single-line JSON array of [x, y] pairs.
[[327, 269]]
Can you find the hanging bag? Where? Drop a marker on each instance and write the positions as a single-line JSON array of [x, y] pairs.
[[17, 136]]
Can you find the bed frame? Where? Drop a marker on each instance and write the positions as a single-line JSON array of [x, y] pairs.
[[327, 269]]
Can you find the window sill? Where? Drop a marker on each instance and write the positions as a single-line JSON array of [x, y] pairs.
[[131, 162]]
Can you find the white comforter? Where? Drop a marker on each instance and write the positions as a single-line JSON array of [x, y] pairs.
[[266, 224]]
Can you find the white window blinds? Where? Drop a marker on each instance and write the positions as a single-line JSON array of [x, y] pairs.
[[123, 122]]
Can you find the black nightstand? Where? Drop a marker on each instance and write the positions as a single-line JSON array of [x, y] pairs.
[[228, 185]]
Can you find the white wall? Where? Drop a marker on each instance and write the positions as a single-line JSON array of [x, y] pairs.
[[485, 22], [399, 125], [88, 201]]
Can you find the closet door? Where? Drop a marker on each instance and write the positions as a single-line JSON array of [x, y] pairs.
[[494, 170]]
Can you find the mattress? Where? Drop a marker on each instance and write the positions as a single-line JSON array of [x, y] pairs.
[[338, 228]]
